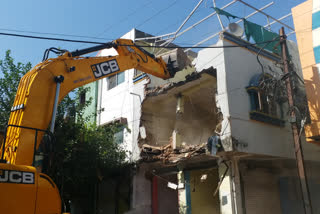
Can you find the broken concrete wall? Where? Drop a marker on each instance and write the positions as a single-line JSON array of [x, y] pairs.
[[179, 76], [215, 58], [137, 96], [194, 125]]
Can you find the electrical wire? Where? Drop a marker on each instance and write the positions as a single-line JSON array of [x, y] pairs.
[[155, 46], [160, 11], [50, 38], [179, 21], [55, 34], [125, 18], [262, 48]]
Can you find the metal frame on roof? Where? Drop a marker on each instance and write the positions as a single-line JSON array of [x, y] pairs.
[[168, 38]]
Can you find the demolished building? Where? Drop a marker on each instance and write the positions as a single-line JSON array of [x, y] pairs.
[[213, 139], [212, 125]]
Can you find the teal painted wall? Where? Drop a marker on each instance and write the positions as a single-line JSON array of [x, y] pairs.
[[92, 93]]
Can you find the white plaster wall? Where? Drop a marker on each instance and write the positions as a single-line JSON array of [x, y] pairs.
[[215, 58], [261, 138], [123, 101], [235, 67], [119, 102], [137, 97]]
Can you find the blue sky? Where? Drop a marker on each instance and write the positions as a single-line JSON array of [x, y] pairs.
[[110, 19]]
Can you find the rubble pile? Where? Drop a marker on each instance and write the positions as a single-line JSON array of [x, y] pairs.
[[168, 155]]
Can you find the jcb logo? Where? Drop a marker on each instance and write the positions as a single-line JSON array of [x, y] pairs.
[[8, 176], [105, 68]]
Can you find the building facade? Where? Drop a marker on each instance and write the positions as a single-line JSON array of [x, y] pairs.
[[214, 139]]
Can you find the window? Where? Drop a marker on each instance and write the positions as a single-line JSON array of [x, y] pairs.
[[118, 136], [82, 98], [115, 80], [137, 72], [118, 125], [138, 76], [264, 107]]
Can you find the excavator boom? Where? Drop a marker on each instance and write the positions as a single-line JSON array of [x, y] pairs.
[[34, 102], [23, 188]]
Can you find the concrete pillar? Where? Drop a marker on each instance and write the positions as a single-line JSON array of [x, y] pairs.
[[141, 192], [182, 193], [225, 191], [236, 186]]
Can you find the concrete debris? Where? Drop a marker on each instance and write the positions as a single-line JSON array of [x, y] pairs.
[[177, 58], [154, 149], [168, 155], [172, 185], [189, 78]]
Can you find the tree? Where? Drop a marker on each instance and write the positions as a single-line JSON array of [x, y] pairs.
[[11, 74], [85, 153]]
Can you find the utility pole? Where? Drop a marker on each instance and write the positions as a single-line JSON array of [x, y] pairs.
[[297, 142]]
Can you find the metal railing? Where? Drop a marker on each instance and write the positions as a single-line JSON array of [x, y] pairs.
[[2, 160]]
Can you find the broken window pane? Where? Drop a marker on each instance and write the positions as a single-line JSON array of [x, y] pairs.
[[118, 136], [82, 98], [112, 82], [137, 72], [264, 106], [120, 78], [115, 80]]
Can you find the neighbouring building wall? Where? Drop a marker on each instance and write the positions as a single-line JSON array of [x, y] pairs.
[[306, 17], [118, 102], [91, 94]]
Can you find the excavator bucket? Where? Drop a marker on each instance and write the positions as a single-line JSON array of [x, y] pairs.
[[175, 59]]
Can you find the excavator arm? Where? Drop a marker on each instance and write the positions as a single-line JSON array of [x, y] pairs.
[[35, 99]]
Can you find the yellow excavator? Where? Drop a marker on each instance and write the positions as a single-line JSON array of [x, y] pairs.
[[23, 188]]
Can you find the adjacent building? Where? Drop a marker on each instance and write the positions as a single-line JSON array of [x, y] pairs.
[[306, 17]]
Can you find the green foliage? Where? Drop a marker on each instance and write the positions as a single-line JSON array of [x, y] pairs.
[[85, 153], [11, 74]]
